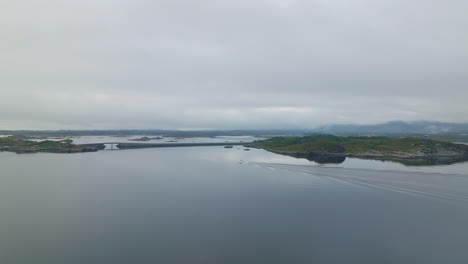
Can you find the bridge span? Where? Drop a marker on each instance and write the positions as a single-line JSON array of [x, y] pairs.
[[129, 145]]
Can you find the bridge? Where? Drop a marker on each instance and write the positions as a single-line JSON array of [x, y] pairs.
[[128, 145]]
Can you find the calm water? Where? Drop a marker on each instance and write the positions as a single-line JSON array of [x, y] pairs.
[[216, 205], [263, 156]]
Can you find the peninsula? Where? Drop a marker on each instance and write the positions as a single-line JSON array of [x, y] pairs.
[[382, 148], [20, 144]]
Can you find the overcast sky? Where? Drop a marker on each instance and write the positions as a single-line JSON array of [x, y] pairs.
[[212, 64]]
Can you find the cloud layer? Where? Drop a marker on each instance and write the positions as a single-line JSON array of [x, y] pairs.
[[230, 64]]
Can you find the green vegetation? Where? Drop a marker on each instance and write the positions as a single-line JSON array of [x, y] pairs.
[[20, 145], [141, 139], [319, 144]]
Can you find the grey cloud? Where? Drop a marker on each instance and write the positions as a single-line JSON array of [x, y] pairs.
[[230, 64]]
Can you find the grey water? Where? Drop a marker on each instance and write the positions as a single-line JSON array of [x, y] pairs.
[[154, 139], [216, 205]]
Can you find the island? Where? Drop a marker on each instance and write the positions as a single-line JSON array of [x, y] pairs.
[[19, 144], [141, 139], [326, 148], [146, 138]]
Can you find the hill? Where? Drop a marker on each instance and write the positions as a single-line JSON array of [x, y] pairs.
[[324, 145]]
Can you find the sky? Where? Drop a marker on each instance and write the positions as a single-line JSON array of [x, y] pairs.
[[237, 64]]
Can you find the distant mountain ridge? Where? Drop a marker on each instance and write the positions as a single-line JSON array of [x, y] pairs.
[[393, 128], [396, 127]]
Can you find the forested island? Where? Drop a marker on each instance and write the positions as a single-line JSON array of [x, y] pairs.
[[21, 144], [412, 151]]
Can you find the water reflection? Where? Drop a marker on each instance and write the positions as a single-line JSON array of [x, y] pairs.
[[431, 161], [200, 205], [407, 162]]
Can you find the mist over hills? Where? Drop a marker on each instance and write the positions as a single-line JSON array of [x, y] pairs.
[[396, 127], [389, 128]]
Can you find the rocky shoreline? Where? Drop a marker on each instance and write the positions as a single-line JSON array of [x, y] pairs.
[[20, 145], [369, 155], [404, 150], [410, 160]]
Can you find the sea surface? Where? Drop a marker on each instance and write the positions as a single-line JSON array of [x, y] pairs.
[[217, 205]]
